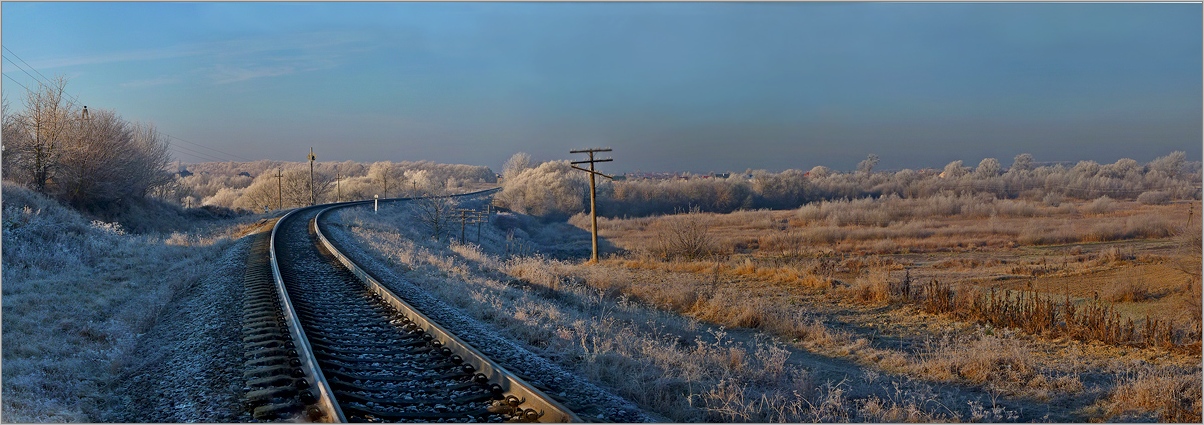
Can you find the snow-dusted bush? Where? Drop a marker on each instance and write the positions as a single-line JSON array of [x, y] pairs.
[[1101, 205], [89, 160], [1154, 197], [553, 190]]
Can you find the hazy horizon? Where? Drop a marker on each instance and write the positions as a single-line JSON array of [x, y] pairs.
[[692, 87]]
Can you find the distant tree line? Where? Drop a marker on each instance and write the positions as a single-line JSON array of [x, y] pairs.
[[553, 190], [93, 161], [251, 186]]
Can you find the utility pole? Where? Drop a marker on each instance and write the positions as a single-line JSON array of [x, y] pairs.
[[462, 216], [279, 189], [338, 190], [311, 175], [593, 206], [88, 123], [481, 217]]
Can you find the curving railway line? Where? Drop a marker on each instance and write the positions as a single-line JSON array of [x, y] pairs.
[[325, 341]]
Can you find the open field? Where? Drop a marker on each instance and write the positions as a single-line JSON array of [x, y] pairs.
[[797, 315]]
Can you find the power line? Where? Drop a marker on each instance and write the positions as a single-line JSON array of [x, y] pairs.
[[23, 70], [212, 149], [11, 52], [197, 156], [46, 81], [201, 155], [18, 82], [191, 152]]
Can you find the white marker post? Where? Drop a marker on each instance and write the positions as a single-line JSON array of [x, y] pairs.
[[375, 203]]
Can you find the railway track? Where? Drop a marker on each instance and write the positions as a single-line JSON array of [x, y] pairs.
[[327, 342]]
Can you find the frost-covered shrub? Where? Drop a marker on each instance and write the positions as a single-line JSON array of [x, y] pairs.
[[1052, 199], [1101, 205], [1154, 197], [553, 190]]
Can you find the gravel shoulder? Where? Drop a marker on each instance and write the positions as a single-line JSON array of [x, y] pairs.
[[188, 365]]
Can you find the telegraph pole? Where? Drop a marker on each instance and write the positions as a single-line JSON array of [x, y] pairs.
[[311, 175], [462, 216], [481, 217], [279, 189], [337, 187], [593, 206]]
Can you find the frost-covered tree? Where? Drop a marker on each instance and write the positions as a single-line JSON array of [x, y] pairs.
[[516, 164], [434, 213], [867, 165], [387, 178], [954, 170], [90, 160], [552, 190], [1022, 163], [989, 167], [36, 137], [1171, 165]]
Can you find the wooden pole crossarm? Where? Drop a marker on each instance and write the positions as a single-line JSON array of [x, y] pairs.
[[592, 161], [590, 150], [593, 172]]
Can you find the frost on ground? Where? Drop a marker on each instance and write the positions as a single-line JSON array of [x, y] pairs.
[[675, 367], [587, 400], [87, 314], [189, 364]]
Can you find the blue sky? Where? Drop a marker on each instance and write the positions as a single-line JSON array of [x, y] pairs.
[[670, 86]]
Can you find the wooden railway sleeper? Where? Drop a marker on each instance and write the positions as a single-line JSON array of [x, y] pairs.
[[454, 387], [363, 345], [415, 416], [278, 381], [266, 335], [273, 361], [331, 354], [410, 368], [263, 372], [270, 352], [349, 350], [447, 376], [271, 343], [470, 398]]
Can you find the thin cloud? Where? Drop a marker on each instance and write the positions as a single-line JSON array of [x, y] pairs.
[[127, 56], [324, 43], [160, 81], [223, 74]]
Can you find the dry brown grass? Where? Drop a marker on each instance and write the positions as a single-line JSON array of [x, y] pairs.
[[1118, 282], [1163, 394], [994, 224]]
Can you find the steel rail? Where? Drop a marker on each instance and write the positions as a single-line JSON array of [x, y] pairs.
[[325, 397], [537, 405], [549, 409]]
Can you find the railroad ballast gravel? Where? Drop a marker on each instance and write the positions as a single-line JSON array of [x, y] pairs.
[[601, 405]]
